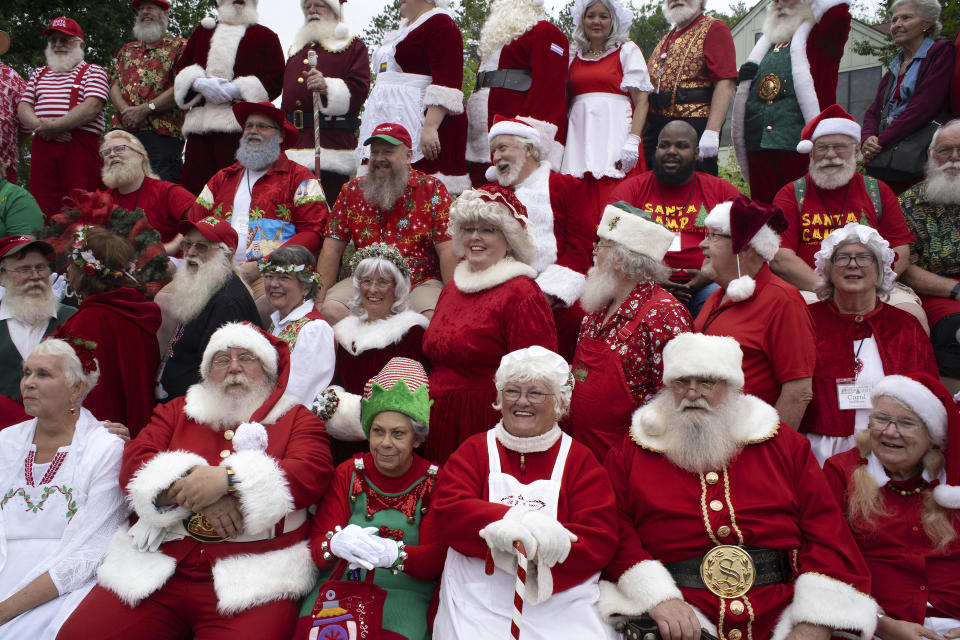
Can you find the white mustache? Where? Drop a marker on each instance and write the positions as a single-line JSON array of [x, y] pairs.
[[830, 162], [699, 403]]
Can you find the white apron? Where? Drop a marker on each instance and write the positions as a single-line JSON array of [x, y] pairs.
[[474, 605]]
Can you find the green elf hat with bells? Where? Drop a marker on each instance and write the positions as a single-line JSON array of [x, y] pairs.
[[400, 386]]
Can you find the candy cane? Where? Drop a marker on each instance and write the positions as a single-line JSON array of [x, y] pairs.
[[312, 58], [519, 590]]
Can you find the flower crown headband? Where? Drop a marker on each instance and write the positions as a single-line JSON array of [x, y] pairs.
[[381, 250], [83, 257], [83, 348], [302, 272]]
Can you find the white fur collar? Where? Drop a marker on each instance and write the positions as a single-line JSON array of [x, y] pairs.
[[534, 193], [201, 408], [357, 336], [532, 444], [536, 176], [470, 281], [756, 421]]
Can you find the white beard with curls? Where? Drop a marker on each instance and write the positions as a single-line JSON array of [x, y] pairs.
[[229, 14], [39, 305], [316, 29], [697, 441], [833, 179], [190, 292], [63, 62], [941, 187], [508, 20], [680, 14], [599, 288], [121, 174], [779, 28], [230, 409]]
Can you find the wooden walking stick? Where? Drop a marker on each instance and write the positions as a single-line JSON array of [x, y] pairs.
[[312, 59]]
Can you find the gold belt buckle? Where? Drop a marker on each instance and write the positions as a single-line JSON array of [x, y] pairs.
[[727, 571], [298, 119], [769, 87], [199, 528]]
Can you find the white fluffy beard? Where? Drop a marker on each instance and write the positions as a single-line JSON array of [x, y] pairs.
[[678, 15], [32, 303], [230, 14], [384, 192], [508, 174], [697, 441], [123, 173], [191, 291], [943, 188], [261, 156], [508, 20], [62, 62], [228, 409], [781, 24], [316, 29], [826, 179], [599, 288], [152, 32]]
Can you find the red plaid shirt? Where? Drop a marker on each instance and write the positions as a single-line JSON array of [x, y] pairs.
[[415, 225]]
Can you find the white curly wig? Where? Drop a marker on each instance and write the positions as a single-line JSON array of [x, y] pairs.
[[621, 19], [854, 233]]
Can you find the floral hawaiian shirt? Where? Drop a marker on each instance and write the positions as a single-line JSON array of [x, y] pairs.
[[415, 225], [936, 231], [145, 71], [641, 353]]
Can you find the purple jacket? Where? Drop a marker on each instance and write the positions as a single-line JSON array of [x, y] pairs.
[[927, 102]]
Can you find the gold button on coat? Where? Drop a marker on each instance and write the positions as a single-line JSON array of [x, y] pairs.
[[769, 127], [712, 477], [736, 608], [224, 453], [723, 531], [716, 505], [735, 634], [228, 434], [300, 80]]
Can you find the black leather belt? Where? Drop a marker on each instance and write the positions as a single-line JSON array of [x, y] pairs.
[[692, 95], [304, 120], [771, 567], [513, 79]]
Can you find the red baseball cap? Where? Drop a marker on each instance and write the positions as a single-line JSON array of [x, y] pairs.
[[65, 25], [163, 4], [390, 132], [13, 244], [243, 110], [213, 229]]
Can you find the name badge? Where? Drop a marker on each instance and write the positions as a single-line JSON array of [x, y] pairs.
[[675, 245], [852, 395]]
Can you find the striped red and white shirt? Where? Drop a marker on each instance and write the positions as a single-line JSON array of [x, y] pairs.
[[51, 99]]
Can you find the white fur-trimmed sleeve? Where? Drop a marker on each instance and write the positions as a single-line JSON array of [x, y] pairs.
[[153, 478], [562, 282], [344, 424], [183, 85], [338, 98], [635, 73], [262, 489], [447, 97], [820, 7], [822, 600], [251, 89], [640, 588]]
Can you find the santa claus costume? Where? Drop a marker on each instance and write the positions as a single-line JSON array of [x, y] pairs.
[[171, 569], [784, 85], [226, 61], [418, 66], [914, 577], [343, 60], [480, 316], [522, 72], [600, 111], [501, 486], [770, 498]]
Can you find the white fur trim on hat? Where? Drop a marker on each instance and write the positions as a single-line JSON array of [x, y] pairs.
[[696, 354], [719, 217], [514, 128], [766, 241], [238, 335], [635, 232], [830, 126], [920, 400]]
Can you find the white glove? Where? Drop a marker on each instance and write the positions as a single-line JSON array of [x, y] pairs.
[[213, 89], [356, 545], [500, 535], [231, 89], [553, 539], [630, 153], [387, 554], [59, 285], [709, 144]]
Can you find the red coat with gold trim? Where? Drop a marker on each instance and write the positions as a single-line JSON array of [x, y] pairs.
[[771, 495]]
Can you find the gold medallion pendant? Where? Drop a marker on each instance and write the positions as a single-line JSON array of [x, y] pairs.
[[727, 571], [769, 87]]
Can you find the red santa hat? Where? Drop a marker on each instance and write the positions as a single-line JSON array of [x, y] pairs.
[[834, 119], [933, 404], [213, 229], [503, 126], [243, 110], [65, 25]]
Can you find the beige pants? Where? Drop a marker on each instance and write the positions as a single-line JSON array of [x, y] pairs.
[[422, 298]]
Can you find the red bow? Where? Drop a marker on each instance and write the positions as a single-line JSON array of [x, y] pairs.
[[396, 534]]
